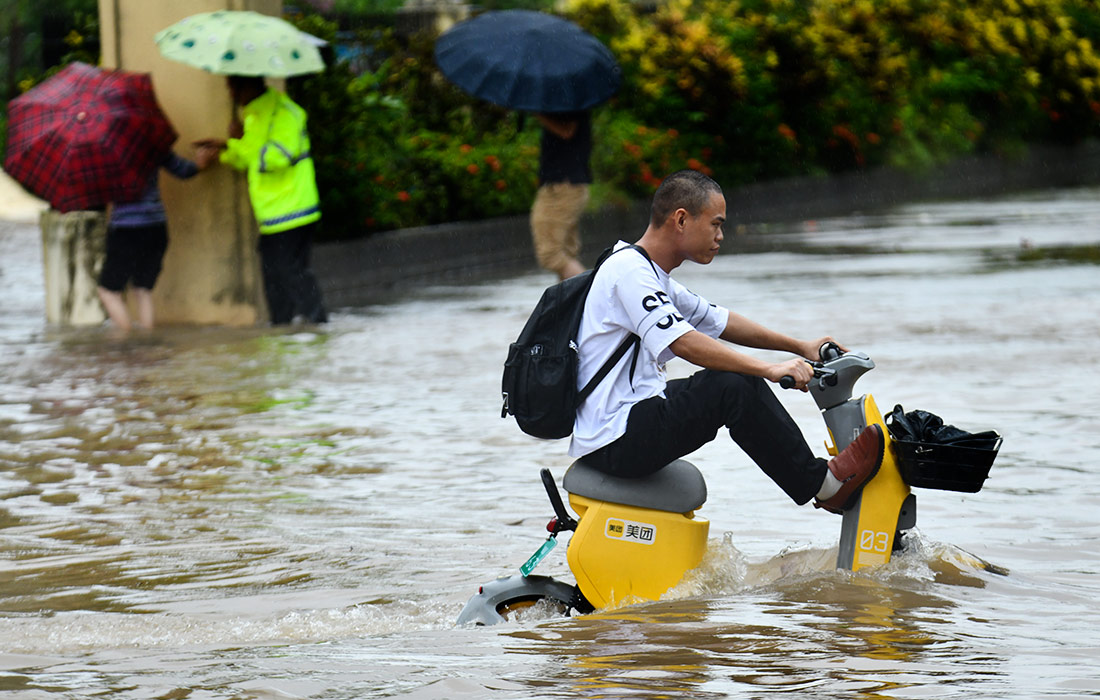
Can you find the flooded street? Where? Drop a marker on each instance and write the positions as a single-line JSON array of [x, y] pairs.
[[245, 513]]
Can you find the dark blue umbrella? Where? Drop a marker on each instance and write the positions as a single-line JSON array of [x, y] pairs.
[[529, 61]]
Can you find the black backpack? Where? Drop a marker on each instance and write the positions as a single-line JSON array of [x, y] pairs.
[[540, 374]]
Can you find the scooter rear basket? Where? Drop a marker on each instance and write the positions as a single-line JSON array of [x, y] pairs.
[[944, 466]]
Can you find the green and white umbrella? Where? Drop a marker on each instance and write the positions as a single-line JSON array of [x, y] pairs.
[[231, 42]]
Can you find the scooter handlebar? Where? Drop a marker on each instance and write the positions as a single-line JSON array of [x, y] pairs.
[[829, 351], [788, 382], [820, 372]]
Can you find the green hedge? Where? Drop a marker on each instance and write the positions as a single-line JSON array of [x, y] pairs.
[[399, 146], [396, 147], [827, 85], [745, 91]]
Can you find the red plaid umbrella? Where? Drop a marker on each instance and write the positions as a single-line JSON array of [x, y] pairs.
[[87, 137]]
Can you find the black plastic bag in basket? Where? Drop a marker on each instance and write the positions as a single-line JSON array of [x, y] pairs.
[[922, 426]]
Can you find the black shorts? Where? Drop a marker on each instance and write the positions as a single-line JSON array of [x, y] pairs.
[[134, 256]]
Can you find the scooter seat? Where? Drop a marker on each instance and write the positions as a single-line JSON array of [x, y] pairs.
[[677, 487]]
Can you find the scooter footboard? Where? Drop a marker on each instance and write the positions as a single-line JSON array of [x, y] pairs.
[[884, 507], [623, 553]]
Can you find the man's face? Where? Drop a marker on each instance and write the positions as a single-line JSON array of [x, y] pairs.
[[702, 234]]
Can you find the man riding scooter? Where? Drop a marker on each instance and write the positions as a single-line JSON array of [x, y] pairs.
[[635, 421]]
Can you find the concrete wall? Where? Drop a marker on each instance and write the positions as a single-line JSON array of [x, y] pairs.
[[211, 271], [361, 272]]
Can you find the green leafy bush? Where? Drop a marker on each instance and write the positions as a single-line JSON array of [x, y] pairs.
[[793, 86], [397, 146], [747, 91]]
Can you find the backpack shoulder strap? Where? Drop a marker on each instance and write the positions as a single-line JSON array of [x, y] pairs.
[[615, 357], [631, 341], [609, 251]]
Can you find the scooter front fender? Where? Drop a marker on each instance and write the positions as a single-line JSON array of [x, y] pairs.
[[884, 506], [485, 607]]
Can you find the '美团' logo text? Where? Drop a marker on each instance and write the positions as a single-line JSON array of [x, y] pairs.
[[643, 533]]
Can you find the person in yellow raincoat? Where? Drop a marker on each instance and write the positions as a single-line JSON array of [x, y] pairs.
[[269, 141]]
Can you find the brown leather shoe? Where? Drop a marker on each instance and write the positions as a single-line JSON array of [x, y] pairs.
[[854, 467]]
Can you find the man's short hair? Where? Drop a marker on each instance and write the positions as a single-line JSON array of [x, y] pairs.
[[687, 189]]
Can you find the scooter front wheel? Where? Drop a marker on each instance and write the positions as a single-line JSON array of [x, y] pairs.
[[506, 597]]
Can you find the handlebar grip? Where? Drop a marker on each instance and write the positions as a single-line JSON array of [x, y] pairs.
[[786, 381], [829, 351]]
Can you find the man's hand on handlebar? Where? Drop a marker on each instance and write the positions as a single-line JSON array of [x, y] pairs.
[[797, 369], [813, 348], [797, 373]]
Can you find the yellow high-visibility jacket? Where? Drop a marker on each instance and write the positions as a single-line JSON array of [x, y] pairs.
[[274, 150]]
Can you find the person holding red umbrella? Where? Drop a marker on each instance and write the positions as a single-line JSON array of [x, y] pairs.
[[86, 137], [137, 238]]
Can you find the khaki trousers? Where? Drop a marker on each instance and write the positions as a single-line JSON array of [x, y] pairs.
[[555, 216]]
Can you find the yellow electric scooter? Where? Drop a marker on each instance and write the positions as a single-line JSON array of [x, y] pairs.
[[634, 539]]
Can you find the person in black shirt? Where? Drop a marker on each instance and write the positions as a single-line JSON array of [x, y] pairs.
[[564, 176]]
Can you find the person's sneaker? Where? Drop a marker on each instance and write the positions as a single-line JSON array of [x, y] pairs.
[[854, 467]]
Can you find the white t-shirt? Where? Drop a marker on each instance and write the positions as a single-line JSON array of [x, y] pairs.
[[631, 295]]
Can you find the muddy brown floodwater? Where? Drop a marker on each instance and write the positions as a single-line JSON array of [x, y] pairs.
[[243, 513]]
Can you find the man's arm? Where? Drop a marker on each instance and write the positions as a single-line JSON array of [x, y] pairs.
[[181, 167], [704, 351], [241, 152], [563, 129], [751, 334]]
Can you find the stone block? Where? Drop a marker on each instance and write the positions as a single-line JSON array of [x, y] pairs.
[[74, 245]]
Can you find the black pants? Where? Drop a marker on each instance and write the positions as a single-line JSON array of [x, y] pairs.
[[660, 430], [289, 284], [134, 255]]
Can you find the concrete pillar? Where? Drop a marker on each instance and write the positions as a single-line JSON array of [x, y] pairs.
[[211, 270], [73, 248]]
